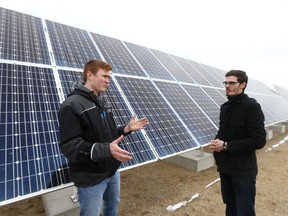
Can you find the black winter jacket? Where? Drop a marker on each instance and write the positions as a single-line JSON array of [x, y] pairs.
[[242, 127], [87, 128]]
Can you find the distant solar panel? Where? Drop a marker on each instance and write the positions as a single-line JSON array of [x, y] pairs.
[[116, 54], [214, 76], [282, 91], [273, 113], [173, 67], [205, 73], [148, 61], [218, 74], [217, 95], [192, 71], [256, 86]]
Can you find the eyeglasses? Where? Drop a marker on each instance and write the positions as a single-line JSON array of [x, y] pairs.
[[230, 83]]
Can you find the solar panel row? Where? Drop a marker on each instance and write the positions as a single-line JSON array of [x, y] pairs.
[[40, 60], [282, 91]]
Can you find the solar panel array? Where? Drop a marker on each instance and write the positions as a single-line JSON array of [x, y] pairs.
[[282, 91], [39, 62]]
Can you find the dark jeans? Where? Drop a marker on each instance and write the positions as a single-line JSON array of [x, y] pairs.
[[238, 193]]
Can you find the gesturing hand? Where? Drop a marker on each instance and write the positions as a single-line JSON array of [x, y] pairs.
[[118, 153], [136, 124]]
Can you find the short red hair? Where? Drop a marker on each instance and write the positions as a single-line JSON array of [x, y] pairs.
[[94, 66]]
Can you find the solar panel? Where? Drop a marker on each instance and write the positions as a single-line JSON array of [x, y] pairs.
[[115, 52], [210, 107], [71, 47], [197, 66], [193, 73], [257, 86], [149, 63], [166, 132], [214, 76], [274, 107], [217, 95], [68, 78], [188, 110], [29, 151], [135, 143], [282, 91], [22, 38], [175, 70]]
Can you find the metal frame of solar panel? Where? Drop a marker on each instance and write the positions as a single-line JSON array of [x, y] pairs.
[[40, 60]]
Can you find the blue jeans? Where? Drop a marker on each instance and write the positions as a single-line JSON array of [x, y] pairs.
[[91, 197], [238, 193]]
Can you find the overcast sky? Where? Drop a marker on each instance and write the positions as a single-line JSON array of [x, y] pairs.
[[250, 35]]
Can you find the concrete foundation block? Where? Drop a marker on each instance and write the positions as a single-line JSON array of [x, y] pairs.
[[59, 203], [193, 160], [269, 134], [277, 128]]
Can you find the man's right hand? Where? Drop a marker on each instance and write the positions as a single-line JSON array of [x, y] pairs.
[[118, 153]]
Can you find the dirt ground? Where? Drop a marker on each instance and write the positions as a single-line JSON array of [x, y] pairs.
[[148, 190]]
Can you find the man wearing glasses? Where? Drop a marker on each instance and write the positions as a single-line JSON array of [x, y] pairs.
[[241, 132]]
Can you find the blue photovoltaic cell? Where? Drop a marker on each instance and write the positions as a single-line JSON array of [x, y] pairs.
[[215, 77], [135, 143], [166, 132], [209, 106], [148, 61], [219, 75], [270, 114], [218, 96], [188, 67], [209, 80], [177, 72], [199, 124], [68, 78], [256, 86], [72, 47], [22, 38], [30, 157], [116, 54], [274, 107]]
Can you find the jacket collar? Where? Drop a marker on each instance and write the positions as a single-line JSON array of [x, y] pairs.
[[236, 98], [80, 89]]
